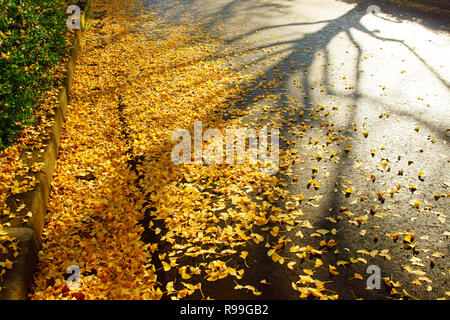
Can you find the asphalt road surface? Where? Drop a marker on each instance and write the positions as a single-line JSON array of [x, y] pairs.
[[385, 74]]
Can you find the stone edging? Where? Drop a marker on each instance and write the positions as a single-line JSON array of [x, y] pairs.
[[15, 283]]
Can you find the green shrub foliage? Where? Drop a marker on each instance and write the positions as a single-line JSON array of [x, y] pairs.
[[32, 41]]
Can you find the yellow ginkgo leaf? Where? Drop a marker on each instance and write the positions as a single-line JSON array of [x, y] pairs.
[[322, 231], [291, 264], [318, 263], [362, 260], [416, 282], [331, 243], [361, 220], [244, 254], [393, 291], [332, 270], [358, 276], [166, 266], [299, 234], [438, 255], [408, 238], [301, 255], [308, 272], [276, 257], [274, 231]]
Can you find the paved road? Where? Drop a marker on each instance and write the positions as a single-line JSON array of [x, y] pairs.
[[388, 74]]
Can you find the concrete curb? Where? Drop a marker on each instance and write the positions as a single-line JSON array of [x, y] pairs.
[[15, 283]]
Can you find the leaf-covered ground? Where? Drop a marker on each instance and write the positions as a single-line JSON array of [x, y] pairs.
[[347, 194], [17, 170]]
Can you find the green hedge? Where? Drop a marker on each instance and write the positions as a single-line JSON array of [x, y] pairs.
[[32, 41]]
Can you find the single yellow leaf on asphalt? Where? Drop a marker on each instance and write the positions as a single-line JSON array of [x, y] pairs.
[[353, 260], [166, 266], [274, 231], [361, 220], [244, 254], [318, 263], [332, 270], [322, 231], [8, 264], [438, 255], [308, 272], [276, 257], [358, 276], [384, 253], [301, 255], [416, 282], [408, 238], [300, 234], [393, 291], [362, 260]]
